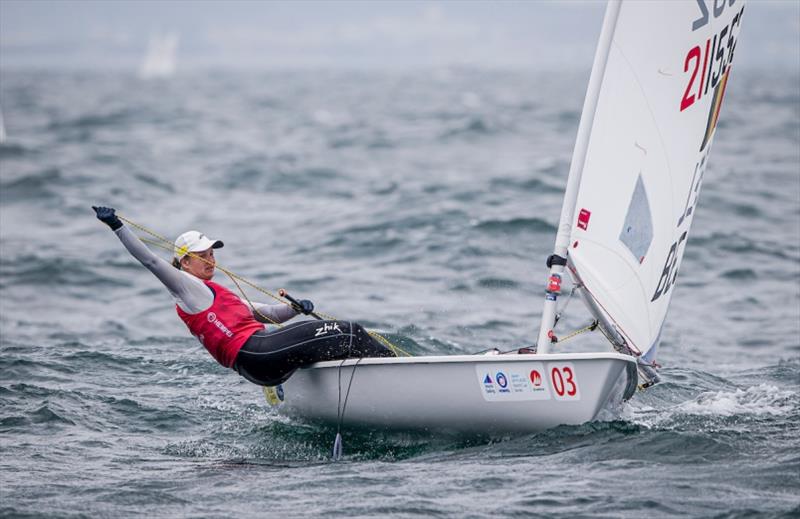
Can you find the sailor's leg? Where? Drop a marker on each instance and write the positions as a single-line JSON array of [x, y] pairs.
[[269, 358], [367, 345]]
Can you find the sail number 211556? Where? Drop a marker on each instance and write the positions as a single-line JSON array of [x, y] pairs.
[[720, 49]]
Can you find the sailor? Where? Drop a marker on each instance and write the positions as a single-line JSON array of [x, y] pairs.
[[231, 330]]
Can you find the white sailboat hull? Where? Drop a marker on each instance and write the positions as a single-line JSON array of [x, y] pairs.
[[464, 393]]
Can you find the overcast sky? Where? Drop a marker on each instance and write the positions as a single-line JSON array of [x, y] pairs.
[[378, 34]]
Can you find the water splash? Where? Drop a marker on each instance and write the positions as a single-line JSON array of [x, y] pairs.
[[713, 409], [760, 400]]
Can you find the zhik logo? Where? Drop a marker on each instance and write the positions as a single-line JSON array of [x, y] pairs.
[[327, 327]]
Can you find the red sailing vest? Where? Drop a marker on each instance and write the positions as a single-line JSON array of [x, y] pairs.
[[224, 326]]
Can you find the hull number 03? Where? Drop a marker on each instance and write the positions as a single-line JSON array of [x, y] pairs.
[[565, 382]]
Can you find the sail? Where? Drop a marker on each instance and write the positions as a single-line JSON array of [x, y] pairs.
[[658, 104], [159, 62]]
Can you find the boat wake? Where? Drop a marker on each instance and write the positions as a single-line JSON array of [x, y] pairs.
[[763, 399], [735, 405]]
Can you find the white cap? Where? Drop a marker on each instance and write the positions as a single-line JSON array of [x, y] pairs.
[[194, 241]]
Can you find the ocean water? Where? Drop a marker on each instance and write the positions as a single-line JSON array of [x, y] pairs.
[[422, 204]]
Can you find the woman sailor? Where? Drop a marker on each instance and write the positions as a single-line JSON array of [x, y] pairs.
[[232, 330]]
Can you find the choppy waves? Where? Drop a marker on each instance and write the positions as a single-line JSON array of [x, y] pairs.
[[421, 205]]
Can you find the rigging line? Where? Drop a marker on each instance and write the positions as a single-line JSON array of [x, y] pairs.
[[632, 344], [383, 340], [349, 385], [340, 408], [560, 313], [170, 246], [643, 375], [265, 317], [339, 402], [337, 442], [589, 328]]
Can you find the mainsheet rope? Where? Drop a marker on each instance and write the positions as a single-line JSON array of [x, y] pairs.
[[167, 244]]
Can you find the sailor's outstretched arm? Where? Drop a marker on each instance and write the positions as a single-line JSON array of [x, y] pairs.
[[190, 293], [276, 313]]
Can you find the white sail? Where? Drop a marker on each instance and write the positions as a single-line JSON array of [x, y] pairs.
[[656, 110], [160, 60], [2, 128], [647, 125]]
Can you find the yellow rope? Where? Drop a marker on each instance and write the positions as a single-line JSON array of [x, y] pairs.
[[577, 332], [388, 344], [265, 317], [170, 246], [640, 387]]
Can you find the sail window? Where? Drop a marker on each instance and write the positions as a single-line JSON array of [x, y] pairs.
[[637, 231]]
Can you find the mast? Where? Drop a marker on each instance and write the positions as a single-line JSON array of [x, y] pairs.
[[575, 172]]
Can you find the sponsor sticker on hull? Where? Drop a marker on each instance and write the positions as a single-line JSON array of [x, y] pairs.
[[513, 382]]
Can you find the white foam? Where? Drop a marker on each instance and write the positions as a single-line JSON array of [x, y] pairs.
[[760, 400], [764, 399]]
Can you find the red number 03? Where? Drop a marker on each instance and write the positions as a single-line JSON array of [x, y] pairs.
[[563, 381]]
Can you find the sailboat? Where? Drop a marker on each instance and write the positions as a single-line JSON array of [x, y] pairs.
[[2, 128], [647, 125], [160, 59]]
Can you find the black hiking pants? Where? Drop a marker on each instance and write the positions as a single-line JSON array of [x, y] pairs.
[[270, 358]]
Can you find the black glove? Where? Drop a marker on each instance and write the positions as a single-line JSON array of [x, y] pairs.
[[108, 217], [303, 306]]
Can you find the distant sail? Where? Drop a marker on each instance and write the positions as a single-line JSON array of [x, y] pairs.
[[2, 128], [653, 127], [160, 60]]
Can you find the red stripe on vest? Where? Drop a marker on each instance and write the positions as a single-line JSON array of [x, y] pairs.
[[224, 326]]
